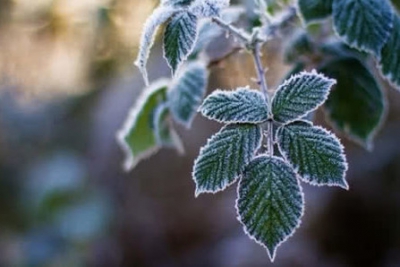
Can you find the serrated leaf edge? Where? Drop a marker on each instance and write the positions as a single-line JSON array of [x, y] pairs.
[[226, 92], [202, 191], [238, 217], [303, 178], [325, 97], [131, 161]]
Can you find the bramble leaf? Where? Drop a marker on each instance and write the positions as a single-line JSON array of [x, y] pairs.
[[299, 95], [314, 10], [187, 92], [270, 202], [240, 106], [158, 17], [137, 135], [179, 39], [208, 8], [363, 24], [356, 104], [316, 154], [225, 156], [390, 57]]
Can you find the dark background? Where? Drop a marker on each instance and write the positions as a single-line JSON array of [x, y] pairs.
[[66, 85]]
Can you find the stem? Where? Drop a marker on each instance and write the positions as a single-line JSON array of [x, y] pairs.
[[270, 141], [256, 52], [242, 36]]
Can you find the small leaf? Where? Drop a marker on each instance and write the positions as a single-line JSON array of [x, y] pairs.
[[240, 106], [179, 38], [137, 135], [315, 10], [300, 95], [208, 8], [356, 104], [316, 154], [225, 156], [163, 131], [187, 92], [390, 55], [270, 202], [363, 24], [159, 16]]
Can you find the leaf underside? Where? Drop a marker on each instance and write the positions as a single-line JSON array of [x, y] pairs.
[[316, 154], [187, 92], [356, 104], [299, 95], [364, 24], [270, 202], [179, 38], [225, 156], [240, 106], [390, 55], [314, 10]]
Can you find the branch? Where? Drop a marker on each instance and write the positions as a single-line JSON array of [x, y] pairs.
[[239, 34]]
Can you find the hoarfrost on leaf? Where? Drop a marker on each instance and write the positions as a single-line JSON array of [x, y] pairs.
[[270, 202], [240, 106], [316, 154], [299, 95], [187, 92], [225, 156], [208, 8]]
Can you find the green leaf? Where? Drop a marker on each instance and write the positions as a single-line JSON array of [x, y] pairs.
[[356, 104], [363, 24], [240, 106], [139, 137], [225, 156], [163, 131], [158, 17], [187, 92], [270, 202], [300, 95], [390, 55], [179, 39], [315, 10], [316, 154]]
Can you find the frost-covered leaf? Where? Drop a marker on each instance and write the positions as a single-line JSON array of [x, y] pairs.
[[159, 16], [299, 95], [314, 10], [187, 92], [177, 3], [356, 104], [270, 202], [163, 131], [137, 136], [179, 38], [240, 106], [225, 156], [390, 55], [316, 154], [363, 24], [208, 8], [208, 31]]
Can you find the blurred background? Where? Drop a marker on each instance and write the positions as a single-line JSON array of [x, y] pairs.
[[66, 84]]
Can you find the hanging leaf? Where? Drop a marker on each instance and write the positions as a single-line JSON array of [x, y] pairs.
[[270, 202], [225, 156], [315, 10], [316, 154], [363, 24], [240, 106], [187, 92], [179, 38], [390, 56], [137, 136], [356, 104], [159, 16], [208, 8], [163, 131], [299, 95]]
